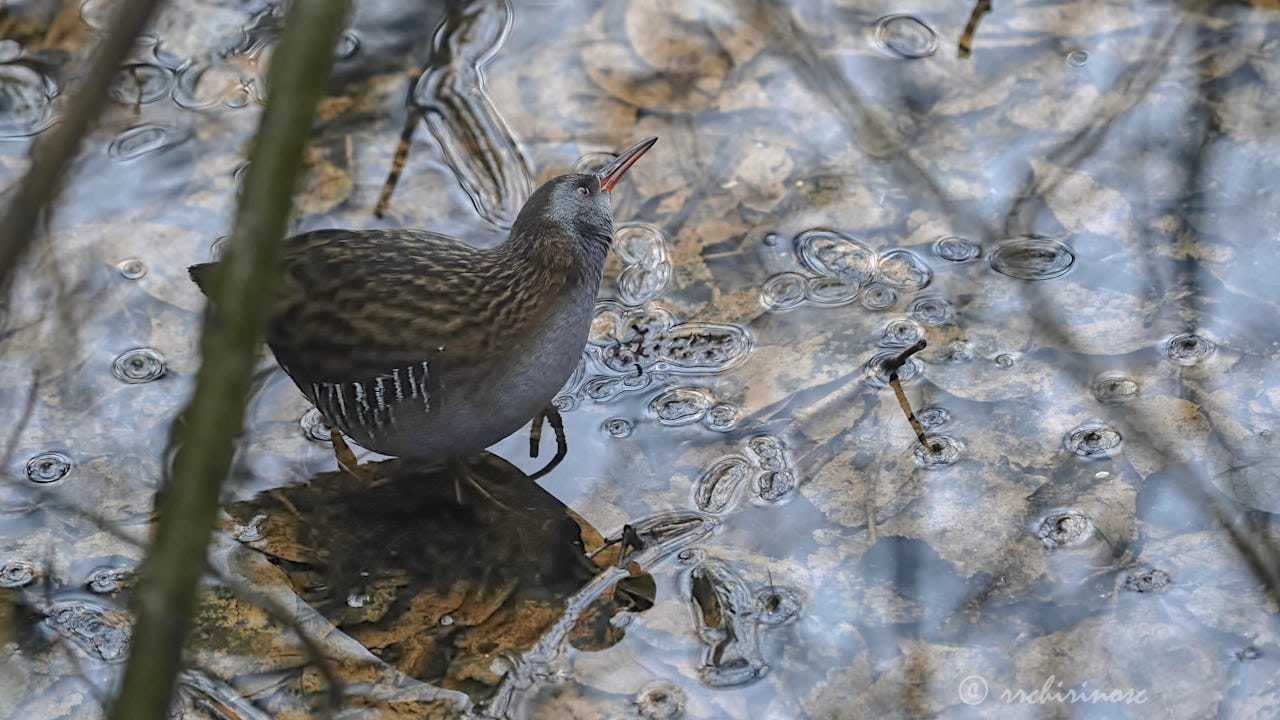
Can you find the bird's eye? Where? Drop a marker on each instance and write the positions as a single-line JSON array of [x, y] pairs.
[[582, 190]]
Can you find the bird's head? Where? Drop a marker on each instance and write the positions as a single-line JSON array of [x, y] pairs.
[[578, 204]]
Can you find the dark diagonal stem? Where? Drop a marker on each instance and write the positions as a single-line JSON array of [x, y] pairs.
[[243, 289]]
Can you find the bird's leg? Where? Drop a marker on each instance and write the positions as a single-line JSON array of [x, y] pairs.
[[460, 468], [342, 452], [489, 496], [347, 459], [397, 164], [456, 469], [535, 434], [562, 445], [286, 502]]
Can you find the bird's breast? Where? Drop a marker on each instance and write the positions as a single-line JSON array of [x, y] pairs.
[[540, 362]]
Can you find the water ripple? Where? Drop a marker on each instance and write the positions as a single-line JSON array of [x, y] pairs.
[[660, 700], [201, 87], [901, 333], [722, 417], [141, 84], [132, 269], [904, 269], [1093, 440], [101, 633], [905, 36], [777, 605], [681, 406], [1145, 581], [48, 467], [1111, 388], [878, 376], [142, 140], [954, 248], [878, 296], [138, 366], [16, 574], [314, 427], [783, 292], [725, 621], [715, 490], [931, 310], [617, 428], [651, 337], [1032, 257], [835, 254], [1065, 527], [1189, 348], [26, 98], [109, 580], [450, 95], [829, 292], [643, 250], [933, 417], [941, 451]]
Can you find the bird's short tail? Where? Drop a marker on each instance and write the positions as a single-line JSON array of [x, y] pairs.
[[201, 274]]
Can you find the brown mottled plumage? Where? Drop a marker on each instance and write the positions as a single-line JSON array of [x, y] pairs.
[[416, 344]]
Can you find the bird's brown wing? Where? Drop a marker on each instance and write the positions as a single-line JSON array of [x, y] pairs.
[[354, 306]]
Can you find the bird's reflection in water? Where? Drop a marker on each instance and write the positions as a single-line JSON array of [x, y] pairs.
[[436, 585]]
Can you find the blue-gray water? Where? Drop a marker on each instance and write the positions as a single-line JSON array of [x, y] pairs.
[[1076, 214]]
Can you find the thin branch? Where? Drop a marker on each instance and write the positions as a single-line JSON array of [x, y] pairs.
[[982, 7], [243, 290], [50, 154], [893, 365]]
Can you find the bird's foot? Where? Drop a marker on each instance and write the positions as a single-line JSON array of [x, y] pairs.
[[347, 459], [461, 470], [552, 415], [631, 542], [628, 543]]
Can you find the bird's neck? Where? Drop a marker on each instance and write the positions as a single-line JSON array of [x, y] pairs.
[[555, 256], [554, 278]]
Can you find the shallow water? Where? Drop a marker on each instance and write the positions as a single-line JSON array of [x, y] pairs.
[[1074, 213]]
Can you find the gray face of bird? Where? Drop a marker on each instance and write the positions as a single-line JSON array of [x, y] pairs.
[[581, 197], [574, 205], [578, 205]]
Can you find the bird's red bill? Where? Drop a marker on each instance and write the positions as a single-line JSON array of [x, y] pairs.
[[610, 174]]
